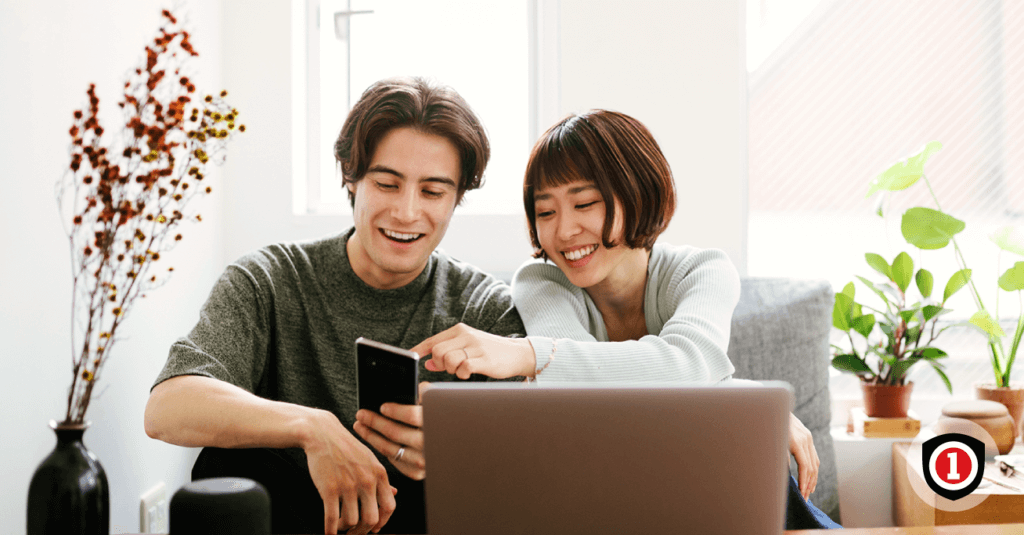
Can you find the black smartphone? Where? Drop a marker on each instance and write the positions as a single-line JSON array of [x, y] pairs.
[[385, 374]]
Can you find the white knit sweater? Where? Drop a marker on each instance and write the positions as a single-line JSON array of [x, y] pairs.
[[688, 306]]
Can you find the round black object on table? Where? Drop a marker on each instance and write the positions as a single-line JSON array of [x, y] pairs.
[[223, 505]]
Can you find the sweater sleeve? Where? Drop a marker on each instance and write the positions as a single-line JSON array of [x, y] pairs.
[[695, 294], [230, 340]]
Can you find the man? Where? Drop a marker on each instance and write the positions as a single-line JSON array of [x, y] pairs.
[[265, 382]]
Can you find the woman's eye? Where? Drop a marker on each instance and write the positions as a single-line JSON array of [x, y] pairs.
[[545, 214], [585, 205]]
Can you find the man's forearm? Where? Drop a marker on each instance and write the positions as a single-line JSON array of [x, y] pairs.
[[195, 411]]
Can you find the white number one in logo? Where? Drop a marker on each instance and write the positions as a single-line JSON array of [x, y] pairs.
[[953, 476]]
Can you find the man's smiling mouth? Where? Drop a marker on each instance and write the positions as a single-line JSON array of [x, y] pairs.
[[400, 236]]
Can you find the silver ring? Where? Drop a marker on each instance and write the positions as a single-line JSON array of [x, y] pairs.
[[401, 452]]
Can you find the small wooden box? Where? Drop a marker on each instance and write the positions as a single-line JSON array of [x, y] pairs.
[[863, 425]]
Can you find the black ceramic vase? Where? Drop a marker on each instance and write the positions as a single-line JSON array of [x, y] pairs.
[[69, 492]]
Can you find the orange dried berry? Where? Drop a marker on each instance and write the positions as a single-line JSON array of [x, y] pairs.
[[155, 256], [224, 93], [177, 238], [78, 114], [241, 128], [117, 310], [209, 189], [78, 220], [86, 374], [177, 197], [209, 98]]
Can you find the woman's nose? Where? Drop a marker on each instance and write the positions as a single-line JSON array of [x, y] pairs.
[[567, 227]]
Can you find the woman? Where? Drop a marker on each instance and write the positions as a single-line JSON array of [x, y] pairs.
[[603, 302]]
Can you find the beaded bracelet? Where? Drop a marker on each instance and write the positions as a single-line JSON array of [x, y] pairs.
[[554, 347]]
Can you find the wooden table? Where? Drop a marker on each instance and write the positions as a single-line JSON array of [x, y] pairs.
[[1002, 505], [989, 529]]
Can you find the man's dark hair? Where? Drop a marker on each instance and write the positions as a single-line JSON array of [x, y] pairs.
[[418, 103], [620, 157]]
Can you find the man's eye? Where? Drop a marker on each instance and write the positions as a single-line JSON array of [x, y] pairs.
[[382, 185], [433, 194]]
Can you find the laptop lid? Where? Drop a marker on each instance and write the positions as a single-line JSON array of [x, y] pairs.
[[508, 458]]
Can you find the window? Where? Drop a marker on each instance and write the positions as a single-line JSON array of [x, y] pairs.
[[482, 49], [838, 91]]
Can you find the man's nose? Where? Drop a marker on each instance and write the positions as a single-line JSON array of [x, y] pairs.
[[407, 206]]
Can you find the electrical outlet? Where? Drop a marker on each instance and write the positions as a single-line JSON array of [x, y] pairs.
[[153, 510]]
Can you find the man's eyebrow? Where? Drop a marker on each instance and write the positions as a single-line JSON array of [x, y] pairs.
[[442, 180], [384, 169], [572, 191]]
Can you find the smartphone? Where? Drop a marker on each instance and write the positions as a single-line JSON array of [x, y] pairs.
[[385, 374]]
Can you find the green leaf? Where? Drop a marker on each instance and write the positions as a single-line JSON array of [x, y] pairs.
[[931, 311], [925, 228], [905, 173], [841, 312], [912, 335], [879, 264], [856, 312], [956, 281], [983, 321], [900, 367], [907, 315], [902, 271], [871, 286], [925, 281], [931, 353], [864, 324], [938, 369], [851, 363], [1009, 238], [1013, 279]]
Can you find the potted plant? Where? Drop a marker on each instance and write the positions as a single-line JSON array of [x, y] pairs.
[[908, 333], [122, 199], [931, 229]]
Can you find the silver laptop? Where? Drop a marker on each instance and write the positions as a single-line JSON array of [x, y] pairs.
[[509, 458]]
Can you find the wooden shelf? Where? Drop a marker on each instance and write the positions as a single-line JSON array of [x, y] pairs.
[[1001, 507]]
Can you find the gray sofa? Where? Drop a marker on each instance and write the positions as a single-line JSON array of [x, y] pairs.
[[780, 331]]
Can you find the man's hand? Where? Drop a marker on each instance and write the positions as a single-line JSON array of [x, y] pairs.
[[345, 470], [801, 445], [397, 435], [463, 350]]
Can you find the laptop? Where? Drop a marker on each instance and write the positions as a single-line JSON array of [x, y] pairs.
[[512, 458]]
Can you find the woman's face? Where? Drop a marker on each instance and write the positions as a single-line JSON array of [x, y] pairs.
[[570, 221]]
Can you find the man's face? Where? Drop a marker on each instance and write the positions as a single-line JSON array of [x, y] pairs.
[[402, 206]]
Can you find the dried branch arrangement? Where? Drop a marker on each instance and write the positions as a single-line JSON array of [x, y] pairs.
[[124, 196]]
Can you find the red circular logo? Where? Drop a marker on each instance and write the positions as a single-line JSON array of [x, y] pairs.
[[953, 466]]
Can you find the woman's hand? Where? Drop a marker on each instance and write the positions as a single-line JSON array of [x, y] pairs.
[[463, 350], [801, 445]]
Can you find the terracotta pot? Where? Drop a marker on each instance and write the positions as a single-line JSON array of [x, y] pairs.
[[1012, 397], [885, 401]]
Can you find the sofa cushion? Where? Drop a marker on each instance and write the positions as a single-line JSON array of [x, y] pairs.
[[780, 332]]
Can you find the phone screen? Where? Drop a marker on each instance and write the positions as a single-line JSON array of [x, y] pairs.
[[385, 374]]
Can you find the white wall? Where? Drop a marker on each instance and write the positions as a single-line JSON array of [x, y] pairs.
[[678, 67], [49, 53]]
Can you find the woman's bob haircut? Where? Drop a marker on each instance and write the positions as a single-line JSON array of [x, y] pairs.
[[620, 157], [418, 103]]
